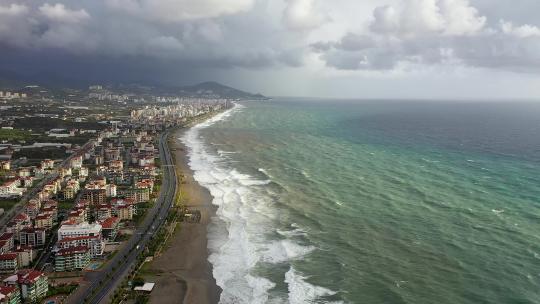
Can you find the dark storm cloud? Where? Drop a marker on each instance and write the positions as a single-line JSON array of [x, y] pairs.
[[175, 35], [164, 40]]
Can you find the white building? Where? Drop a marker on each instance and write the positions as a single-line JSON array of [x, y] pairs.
[[111, 190], [10, 188], [95, 244], [76, 230], [83, 172], [76, 162]]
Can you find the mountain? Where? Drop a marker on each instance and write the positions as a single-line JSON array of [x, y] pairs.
[[215, 89], [209, 89], [14, 81]]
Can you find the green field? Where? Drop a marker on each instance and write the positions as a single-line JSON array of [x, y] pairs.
[[11, 135], [7, 204], [42, 153], [45, 124]]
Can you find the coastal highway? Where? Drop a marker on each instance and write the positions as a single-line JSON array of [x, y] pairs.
[[103, 282]]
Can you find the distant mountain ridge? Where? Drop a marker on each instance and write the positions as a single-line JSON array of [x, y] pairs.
[[209, 89], [214, 88]]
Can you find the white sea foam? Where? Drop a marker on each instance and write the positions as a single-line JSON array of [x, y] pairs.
[[305, 174], [237, 236], [497, 211], [285, 250], [265, 173], [301, 292], [223, 153], [297, 231], [247, 180]]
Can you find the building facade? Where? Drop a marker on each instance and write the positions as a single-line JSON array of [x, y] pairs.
[[72, 258]]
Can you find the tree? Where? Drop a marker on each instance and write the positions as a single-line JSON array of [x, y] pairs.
[[138, 281]]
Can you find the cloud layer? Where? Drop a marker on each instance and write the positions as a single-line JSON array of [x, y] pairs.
[[307, 36], [416, 33]]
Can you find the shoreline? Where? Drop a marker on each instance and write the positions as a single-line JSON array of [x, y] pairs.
[[182, 272]]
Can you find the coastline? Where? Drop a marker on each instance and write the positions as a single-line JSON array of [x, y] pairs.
[[182, 272]]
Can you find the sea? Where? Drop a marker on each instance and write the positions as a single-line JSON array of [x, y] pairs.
[[373, 201]]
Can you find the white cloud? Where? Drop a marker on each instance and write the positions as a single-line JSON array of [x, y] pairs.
[[522, 31], [13, 10], [460, 18], [181, 10], [58, 12], [427, 17], [386, 20], [302, 15], [423, 33]]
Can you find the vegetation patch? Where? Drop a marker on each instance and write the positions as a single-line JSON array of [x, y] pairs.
[[7, 204], [66, 205], [14, 134], [42, 153], [61, 290]]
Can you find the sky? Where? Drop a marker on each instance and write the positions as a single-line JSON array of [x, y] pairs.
[[440, 49]]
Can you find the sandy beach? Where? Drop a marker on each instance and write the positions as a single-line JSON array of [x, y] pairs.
[[182, 272]]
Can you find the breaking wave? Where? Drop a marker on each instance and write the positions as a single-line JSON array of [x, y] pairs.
[[238, 235]]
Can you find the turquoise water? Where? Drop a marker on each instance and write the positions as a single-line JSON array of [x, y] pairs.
[[374, 202]]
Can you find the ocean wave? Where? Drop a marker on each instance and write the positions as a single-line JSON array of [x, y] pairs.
[[296, 231], [248, 180], [285, 250], [265, 173], [238, 234], [301, 292], [223, 153], [497, 211]]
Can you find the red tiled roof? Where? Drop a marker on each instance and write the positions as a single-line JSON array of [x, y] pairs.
[[28, 276], [8, 256], [76, 212], [108, 223], [7, 290], [9, 183], [69, 222], [43, 216], [6, 236], [21, 217]]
